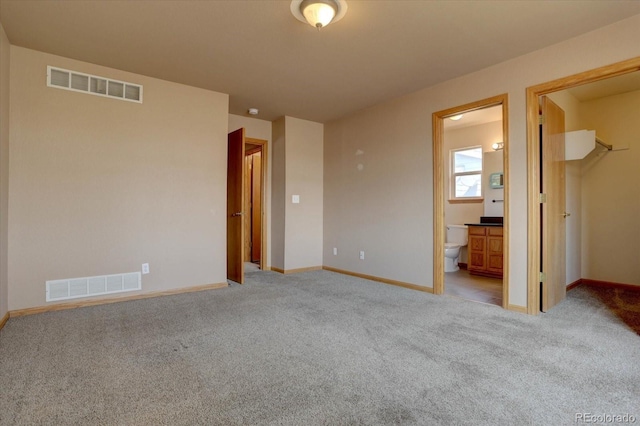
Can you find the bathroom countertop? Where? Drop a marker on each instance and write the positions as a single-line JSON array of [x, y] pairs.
[[484, 224]]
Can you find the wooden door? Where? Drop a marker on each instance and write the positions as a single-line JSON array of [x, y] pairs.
[[235, 200], [552, 217]]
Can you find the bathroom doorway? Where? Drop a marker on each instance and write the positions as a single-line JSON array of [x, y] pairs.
[[470, 154]]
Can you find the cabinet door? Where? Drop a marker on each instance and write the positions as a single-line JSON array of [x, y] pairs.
[[477, 253], [494, 254]]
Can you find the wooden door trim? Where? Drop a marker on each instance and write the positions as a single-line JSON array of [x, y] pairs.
[[533, 163], [438, 188], [263, 194]]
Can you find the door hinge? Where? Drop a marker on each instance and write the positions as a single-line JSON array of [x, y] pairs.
[[543, 197], [542, 119], [543, 277]]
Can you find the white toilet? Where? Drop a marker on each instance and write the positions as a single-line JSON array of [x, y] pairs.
[[456, 238]]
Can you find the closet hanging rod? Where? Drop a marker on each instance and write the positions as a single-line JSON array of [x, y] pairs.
[[606, 145]]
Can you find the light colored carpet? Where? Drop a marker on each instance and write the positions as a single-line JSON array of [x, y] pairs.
[[251, 267], [317, 348]]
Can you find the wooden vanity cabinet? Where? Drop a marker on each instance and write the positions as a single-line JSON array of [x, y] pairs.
[[485, 251]]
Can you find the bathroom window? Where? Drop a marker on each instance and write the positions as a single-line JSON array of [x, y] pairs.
[[466, 173]]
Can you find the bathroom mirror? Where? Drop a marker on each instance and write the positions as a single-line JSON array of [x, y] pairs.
[[496, 180]]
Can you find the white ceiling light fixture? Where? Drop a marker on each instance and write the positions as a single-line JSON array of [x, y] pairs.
[[318, 13], [253, 111], [456, 117], [498, 145]]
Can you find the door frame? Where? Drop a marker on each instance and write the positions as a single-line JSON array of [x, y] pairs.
[[533, 163], [438, 188], [263, 197]]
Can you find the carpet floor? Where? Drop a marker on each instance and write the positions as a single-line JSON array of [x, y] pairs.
[[318, 348]]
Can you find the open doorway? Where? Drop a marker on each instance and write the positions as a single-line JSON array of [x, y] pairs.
[[470, 154], [599, 237], [246, 200], [254, 200]]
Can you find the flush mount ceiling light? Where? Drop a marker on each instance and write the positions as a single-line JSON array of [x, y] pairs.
[[456, 117], [318, 13], [253, 111]]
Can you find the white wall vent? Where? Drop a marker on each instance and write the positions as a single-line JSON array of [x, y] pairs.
[[93, 85], [74, 288]]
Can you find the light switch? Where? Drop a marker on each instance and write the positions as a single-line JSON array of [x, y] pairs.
[[295, 199]]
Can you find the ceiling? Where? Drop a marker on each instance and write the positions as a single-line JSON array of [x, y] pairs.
[[611, 86], [259, 54], [586, 92], [474, 118]]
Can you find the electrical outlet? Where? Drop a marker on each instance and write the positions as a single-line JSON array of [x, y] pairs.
[[361, 255], [335, 251], [145, 268]]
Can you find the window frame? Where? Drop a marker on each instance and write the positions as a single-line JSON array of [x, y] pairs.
[[453, 175]]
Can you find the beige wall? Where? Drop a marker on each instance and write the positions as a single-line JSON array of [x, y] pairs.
[[259, 129], [571, 107], [4, 169], [297, 170], [386, 209], [100, 186], [573, 205], [304, 173], [611, 191], [378, 192], [278, 197]]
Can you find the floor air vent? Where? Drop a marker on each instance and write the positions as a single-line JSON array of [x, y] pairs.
[[75, 288], [93, 85]]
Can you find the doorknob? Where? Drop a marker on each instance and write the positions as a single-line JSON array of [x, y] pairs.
[[236, 214], [565, 214]]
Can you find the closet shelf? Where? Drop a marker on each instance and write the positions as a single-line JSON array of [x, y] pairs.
[[580, 143]]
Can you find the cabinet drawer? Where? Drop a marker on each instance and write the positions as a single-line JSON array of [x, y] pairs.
[[477, 230], [495, 230]]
